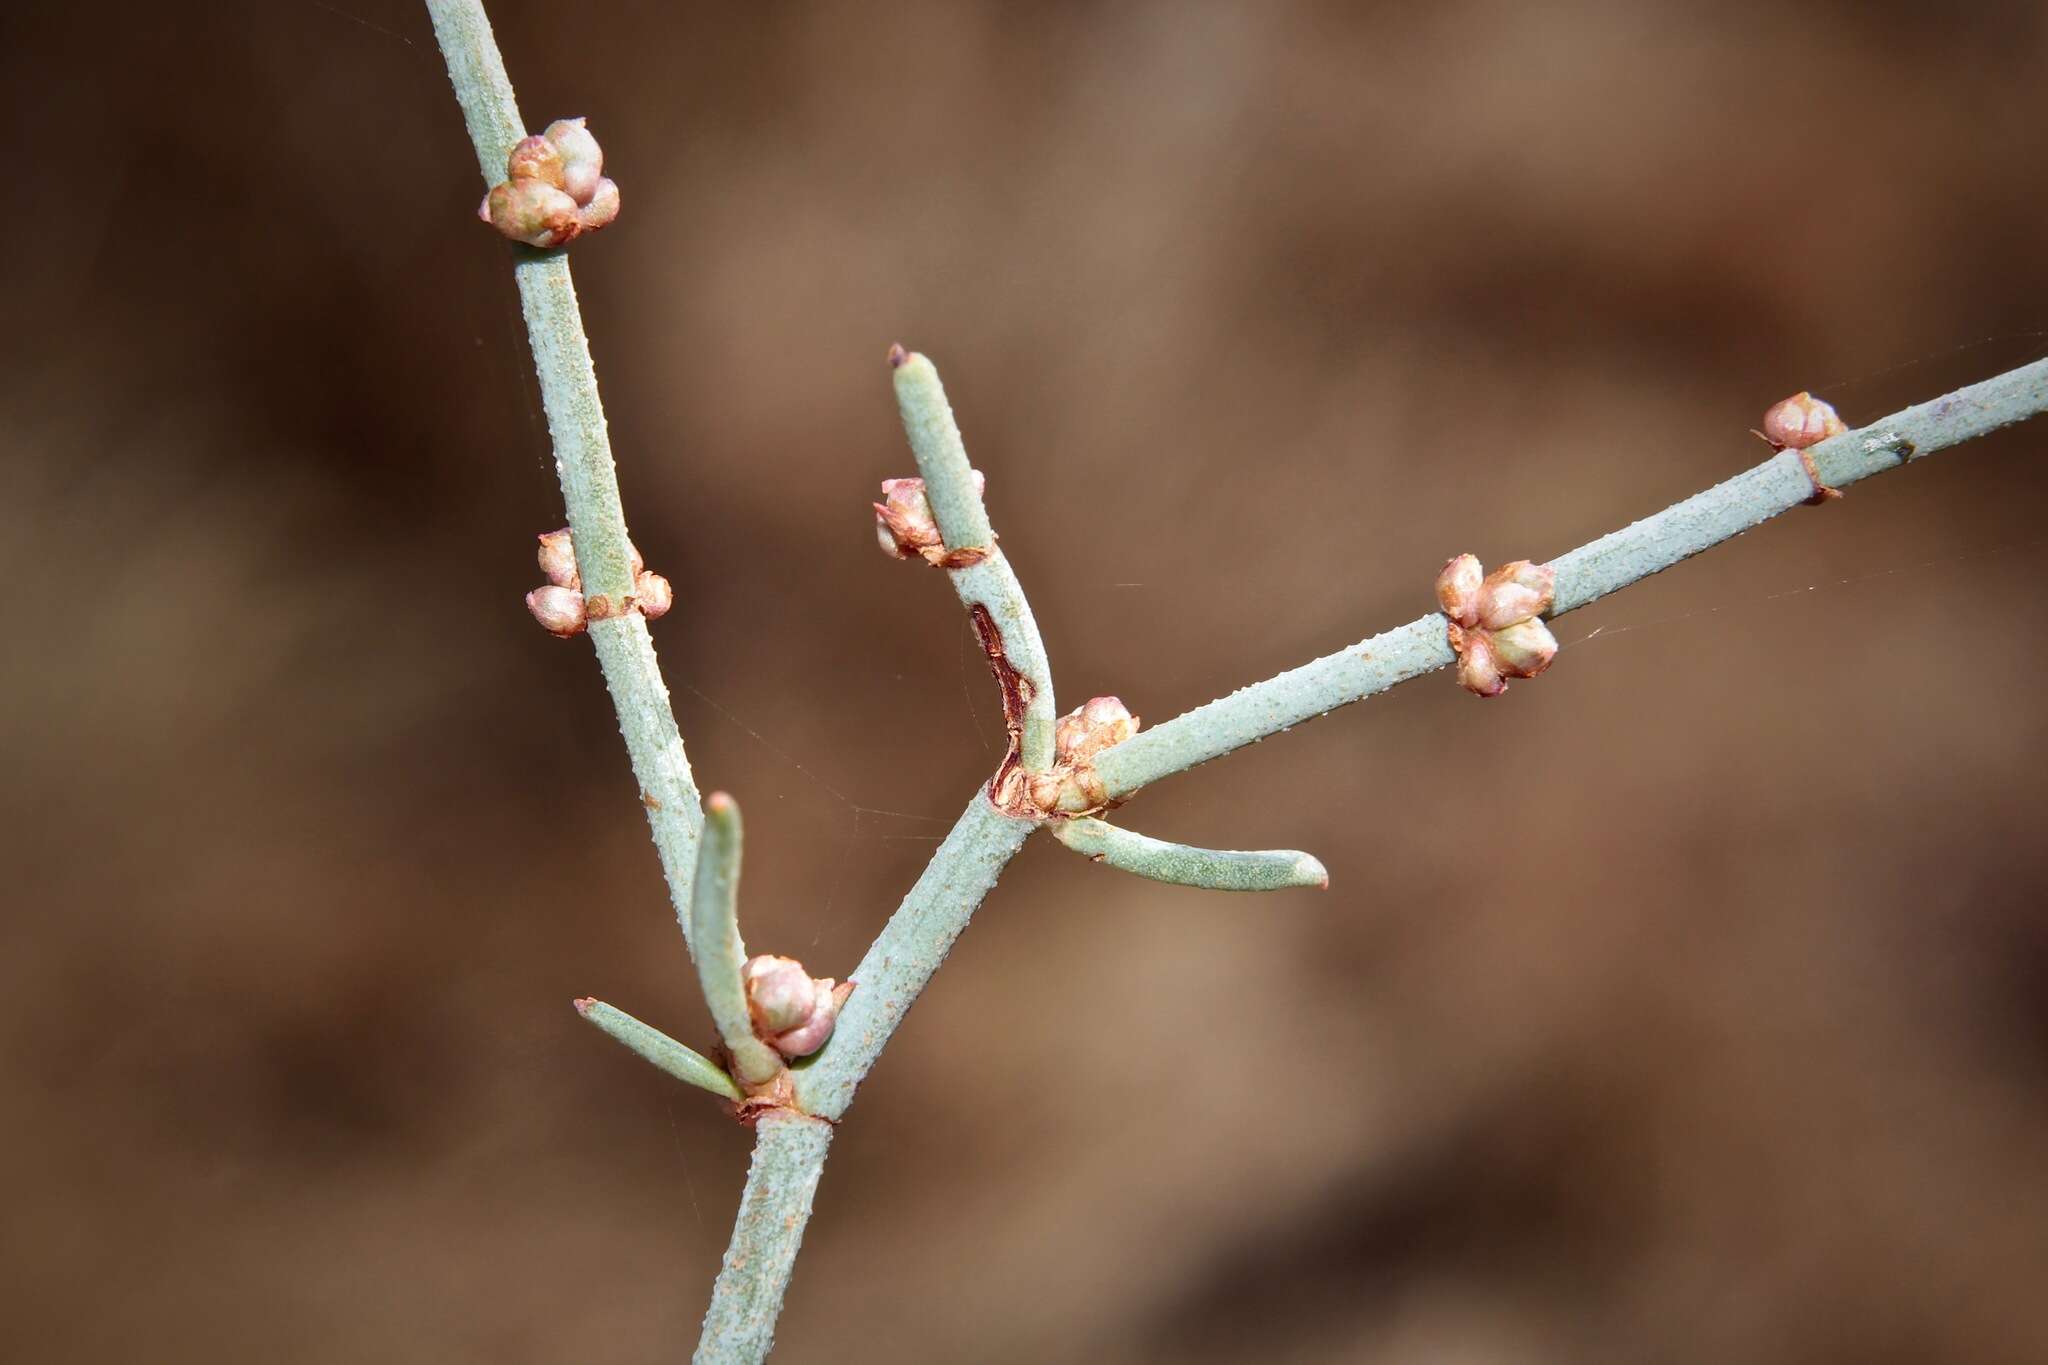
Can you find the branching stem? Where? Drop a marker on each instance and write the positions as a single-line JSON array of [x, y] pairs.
[[790, 1145], [583, 458], [1584, 575]]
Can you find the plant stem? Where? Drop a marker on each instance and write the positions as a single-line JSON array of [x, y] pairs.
[[790, 1146], [1213, 869], [909, 949], [789, 1156], [1584, 575], [990, 585], [583, 459]]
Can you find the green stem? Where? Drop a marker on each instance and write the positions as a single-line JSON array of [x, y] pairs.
[[990, 585], [789, 1156], [715, 917], [657, 1047], [583, 459], [1584, 575], [909, 949], [1183, 865]]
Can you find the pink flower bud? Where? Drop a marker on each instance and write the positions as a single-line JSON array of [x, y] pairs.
[[536, 158], [582, 158], [780, 994], [652, 595], [554, 188], [558, 559], [1457, 589], [807, 1038], [1800, 421], [558, 609], [602, 208], [531, 211], [792, 1012]]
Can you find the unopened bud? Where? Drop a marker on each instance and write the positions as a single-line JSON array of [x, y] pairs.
[[1800, 421], [906, 529], [558, 609], [1094, 726], [558, 559], [904, 524], [602, 208], [1457, 588], [531, 211], [779, 993], [554, 190], [536, 158], [582, 158], [1478, 670], [792, 1012], [652, 595], [1515, 592], [1525, 648], [1496, 626]]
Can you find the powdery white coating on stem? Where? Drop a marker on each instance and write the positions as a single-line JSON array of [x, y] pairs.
[[683, 1063], [1183, 865], [789, 1156], [1584, 575]]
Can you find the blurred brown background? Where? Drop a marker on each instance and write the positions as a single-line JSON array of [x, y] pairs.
[[1732, 1047]]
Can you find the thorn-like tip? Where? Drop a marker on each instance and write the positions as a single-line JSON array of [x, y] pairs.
[[586, 1004], [897, 355], [719, 801], [1313, 872]]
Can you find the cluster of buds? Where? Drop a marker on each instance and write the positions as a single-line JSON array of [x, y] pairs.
[[1798, 422], [560, 607], [906, 528], [1071, 786], [793, 1012], [1497, 621], [554, 189]]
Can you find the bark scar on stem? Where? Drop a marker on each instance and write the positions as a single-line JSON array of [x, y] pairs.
[[1016, 688]]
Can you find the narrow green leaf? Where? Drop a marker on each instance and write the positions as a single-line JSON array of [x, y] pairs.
[[1217, 869], [657, 1047]]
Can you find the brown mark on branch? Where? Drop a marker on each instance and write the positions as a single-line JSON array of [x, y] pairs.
[[1015, 687]]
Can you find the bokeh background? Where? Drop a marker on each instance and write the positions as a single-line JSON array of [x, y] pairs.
[[1725, 1040]]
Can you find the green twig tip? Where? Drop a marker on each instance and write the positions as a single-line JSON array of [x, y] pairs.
[[715, 933]]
